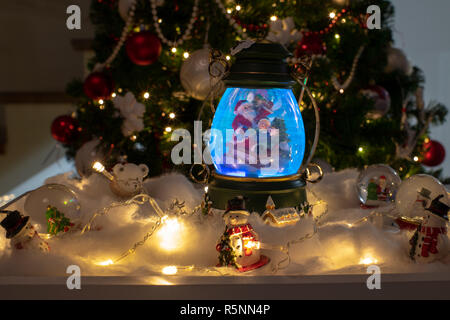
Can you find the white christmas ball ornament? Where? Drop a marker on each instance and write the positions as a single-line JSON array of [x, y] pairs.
[[397, 61], [377, 185], [416, 193], [55, 195], [194, 74], [86, 156], [124, 7]]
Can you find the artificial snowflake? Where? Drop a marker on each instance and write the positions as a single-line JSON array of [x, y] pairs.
[[132, 112], [284, 32]]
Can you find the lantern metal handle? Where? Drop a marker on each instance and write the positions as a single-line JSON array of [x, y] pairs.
[[303, 167]]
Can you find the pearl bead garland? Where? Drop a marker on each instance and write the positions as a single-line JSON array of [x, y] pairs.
[[341, 87], [187, 32], [232, 23], [126, 29]]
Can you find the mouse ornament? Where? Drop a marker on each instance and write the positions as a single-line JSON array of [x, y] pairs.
[[239, 245], [22, 233], [430, 242], [128, 179]]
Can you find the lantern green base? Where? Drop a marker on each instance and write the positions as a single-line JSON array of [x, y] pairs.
[[287, 192]]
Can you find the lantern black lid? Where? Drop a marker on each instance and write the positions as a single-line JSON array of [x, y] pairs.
[[262, 65]]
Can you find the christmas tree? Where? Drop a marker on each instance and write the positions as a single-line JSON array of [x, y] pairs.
[[369, 96]]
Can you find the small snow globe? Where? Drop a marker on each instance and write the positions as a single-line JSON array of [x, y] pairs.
[[257, 139]]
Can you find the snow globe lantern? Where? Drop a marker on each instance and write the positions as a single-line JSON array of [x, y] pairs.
[[257, 141]]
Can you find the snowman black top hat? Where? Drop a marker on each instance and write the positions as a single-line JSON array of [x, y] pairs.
[[439, 208], [237, 203], [425, 193], [13, 223]]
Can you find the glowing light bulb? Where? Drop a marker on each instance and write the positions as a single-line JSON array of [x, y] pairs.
[[341, 91], [97, 166], [133, 138], [168, 129], [360, 149], [337, 36], [159, 20], [273, 18], [206, 189], [146, 95], [174, 50], [344, 20], [238, 7], [229, 11], [332, 15], [101, 101], [171, 115], [113, 94], [416, 158], [368, 260], [169, 270], [186, 55], [105, 263], [228, 57], [170, 234], [100, 168]]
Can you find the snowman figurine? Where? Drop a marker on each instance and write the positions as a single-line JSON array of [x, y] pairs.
[[22, 233], [239, 245], [430, 243], [128, 179]]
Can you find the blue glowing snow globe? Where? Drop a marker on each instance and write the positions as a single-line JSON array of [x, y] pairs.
[[257, 141], [257, 133]]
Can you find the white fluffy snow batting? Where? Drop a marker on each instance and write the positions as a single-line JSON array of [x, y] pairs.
[[186, 243]]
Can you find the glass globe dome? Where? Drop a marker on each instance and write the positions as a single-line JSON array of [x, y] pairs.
[[257, 133]]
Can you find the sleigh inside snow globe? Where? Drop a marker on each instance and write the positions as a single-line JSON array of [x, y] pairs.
[[258, 140]]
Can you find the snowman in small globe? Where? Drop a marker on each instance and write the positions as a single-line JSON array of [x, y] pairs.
[[128, 179], [430, 242], [22, 233], [239, 245]]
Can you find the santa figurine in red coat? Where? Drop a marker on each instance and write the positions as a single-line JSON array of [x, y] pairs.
[[240, 146], [430, 242], [245, 117]]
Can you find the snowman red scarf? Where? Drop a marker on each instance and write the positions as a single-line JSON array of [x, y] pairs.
[[431, 239]]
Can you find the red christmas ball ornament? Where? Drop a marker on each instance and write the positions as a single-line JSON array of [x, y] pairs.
[[310, 44], [64, 129], [434, 153], [98, 85], [143, 48]]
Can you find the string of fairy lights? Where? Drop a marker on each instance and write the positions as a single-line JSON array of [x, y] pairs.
[[172, 226]]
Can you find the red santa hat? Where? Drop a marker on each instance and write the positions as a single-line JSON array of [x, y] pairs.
[[382, 178], [238, 104]]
